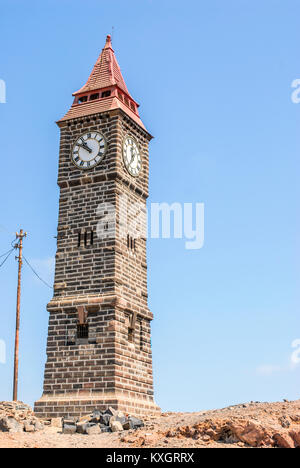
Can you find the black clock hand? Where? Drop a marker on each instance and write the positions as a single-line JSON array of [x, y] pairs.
[[85, 146], [84, 143], [132, 156]]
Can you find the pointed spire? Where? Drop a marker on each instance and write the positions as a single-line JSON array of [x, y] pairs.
[[106, 72], [104, 90]]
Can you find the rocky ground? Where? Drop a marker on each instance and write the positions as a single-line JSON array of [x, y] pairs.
[[243, 426]]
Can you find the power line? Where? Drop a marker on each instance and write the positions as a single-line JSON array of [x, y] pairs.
[[3, 255], [9, 254], [38, 276]]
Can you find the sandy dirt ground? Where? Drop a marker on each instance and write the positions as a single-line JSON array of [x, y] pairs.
[[242, 426]]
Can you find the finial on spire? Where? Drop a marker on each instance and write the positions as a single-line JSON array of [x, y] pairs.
[[108, 44]]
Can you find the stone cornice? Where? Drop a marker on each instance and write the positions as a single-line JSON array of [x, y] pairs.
[[95, 302]]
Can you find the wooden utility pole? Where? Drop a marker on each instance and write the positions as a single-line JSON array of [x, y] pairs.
[[19, 246]]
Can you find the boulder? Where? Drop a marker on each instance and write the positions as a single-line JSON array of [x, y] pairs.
[[283, 440], [29, 427], [9, 424], [127, 425], [69, 429], [88, 428], [295, 435], [118, 417], [38, 426], [81, 428], [93, 429], [56, 422], [251, 433], [135, 422], [295, 418], [284, 421], [104, 419], [116, 426]]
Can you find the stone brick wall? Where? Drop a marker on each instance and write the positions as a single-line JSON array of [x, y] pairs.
[[106, 276]]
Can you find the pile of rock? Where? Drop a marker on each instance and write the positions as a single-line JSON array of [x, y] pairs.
[[15, 416], [110, 420]]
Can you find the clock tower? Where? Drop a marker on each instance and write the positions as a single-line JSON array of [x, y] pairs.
[[99, 338]]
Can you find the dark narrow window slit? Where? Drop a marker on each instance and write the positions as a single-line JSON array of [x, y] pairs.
[[82, 331]]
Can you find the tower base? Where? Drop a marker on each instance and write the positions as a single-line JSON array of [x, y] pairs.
[[76, 406]]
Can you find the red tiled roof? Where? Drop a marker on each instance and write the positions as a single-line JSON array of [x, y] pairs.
[[102, 105], [106, 74]]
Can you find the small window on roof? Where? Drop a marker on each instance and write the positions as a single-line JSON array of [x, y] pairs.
[[120, 95], [126, 102], [94, 96], [106, 93], [132, 106], [82, 99]]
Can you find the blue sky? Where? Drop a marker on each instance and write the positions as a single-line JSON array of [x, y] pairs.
[[214, 82]]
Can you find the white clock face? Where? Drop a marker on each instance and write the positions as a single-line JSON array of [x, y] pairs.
[[131, 156], [89, 150]]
